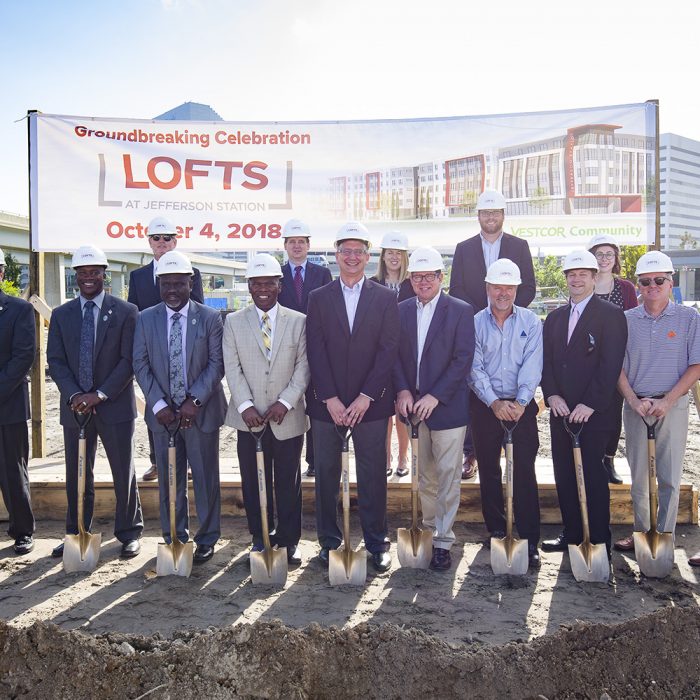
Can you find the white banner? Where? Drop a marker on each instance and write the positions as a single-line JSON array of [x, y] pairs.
[[566, 175]]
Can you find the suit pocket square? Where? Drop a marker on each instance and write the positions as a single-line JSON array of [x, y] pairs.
[[591, 344]]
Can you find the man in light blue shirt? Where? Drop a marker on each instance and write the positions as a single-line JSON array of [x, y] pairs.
[[507, 369]]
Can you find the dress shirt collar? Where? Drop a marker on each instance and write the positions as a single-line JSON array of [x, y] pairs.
[[272, 314], [98, 300], [580, 305], [355, 289], [429, 305], [487, 242], [183, 311]]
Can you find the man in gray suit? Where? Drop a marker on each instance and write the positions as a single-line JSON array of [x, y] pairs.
[[267, 373], [178, 365], [89, 354]]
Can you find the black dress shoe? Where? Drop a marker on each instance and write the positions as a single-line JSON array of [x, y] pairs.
[[533, 556], [559, 544], [24, 544], [130, 549], [202, 553], [324, 555], [498, 534], [441, 560], [293, 555], [57, 551], [381, 561], [613, 476]]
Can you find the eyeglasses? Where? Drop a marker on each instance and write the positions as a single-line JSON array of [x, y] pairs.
[[349, 252], [166, 238], [430, 277], [605, 256], [492, 213], [658, 281]]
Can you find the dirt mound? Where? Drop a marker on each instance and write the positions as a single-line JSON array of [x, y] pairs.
[[652, 657]]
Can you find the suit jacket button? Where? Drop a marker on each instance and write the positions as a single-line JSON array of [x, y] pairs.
[[564, 365]]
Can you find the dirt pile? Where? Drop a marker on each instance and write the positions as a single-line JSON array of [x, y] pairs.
[[652, 657]]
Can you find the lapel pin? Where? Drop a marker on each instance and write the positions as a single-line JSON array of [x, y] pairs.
[[104, 318], [194, 321]]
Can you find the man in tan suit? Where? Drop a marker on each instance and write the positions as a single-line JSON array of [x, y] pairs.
[[267, 373]]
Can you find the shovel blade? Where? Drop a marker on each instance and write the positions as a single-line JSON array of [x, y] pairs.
[[589, 562], [174, 559], [347, 568], [654, 553], [509, 556], [414, 547], [81, 552], [269, 566]]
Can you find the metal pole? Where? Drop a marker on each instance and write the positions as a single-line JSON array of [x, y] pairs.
[[36, 286]]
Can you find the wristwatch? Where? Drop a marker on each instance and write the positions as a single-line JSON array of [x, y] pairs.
[[196, 401], [522, 402], [101, 396]]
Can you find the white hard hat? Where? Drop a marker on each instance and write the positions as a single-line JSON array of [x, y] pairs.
[[490, 199], [174, 263], [161, 226], [425, 260], [88, 255], [603, 239], [353, 230], [580, 260], [654, 261], [395, 241], [263, 265], [294, 228], [503, 271], [2, 257]]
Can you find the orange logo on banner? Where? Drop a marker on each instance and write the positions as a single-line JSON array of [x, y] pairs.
[[672, 334]]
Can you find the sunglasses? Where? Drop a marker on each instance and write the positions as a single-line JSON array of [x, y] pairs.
[[658, 281], [158, 237]]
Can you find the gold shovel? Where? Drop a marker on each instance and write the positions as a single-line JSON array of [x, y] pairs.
[[270, 565], [589, 562], [509, 555], [81, 552], [344, 565], [174, 559], [414, 546], [653, 549]]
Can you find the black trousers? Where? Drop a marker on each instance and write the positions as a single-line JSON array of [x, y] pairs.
[[593, 444], [282, 482], [611, 447], [14, 478], [488, 441], [369, 442], [117, 440]]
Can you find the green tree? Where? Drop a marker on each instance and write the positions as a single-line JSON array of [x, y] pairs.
[[10, 288], [540, 198], [688, 242], [629, 254], [549, 277], [469, 200], [13, 270]]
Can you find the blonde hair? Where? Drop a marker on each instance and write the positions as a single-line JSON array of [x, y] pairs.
[[403, 270]]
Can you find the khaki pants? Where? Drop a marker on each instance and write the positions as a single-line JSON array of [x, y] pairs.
[[440, 480], [671, 436]]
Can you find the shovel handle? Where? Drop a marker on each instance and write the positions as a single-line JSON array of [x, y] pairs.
[[262, 484], [414, 469], [581, 486], [81, 420], [345, 434], [653, 486]]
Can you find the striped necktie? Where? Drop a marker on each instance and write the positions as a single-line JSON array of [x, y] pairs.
[[266, 334]]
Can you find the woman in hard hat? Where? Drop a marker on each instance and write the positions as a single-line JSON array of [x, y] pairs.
[[393, 273], [621, 292]]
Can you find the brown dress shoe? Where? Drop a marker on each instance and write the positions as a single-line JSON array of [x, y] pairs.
[[151, 474], [469, 467], [626, 544]]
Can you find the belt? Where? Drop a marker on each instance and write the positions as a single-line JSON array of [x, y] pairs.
[[655, 396]]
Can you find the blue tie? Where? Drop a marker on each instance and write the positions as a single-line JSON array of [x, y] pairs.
[[87, 345], [177, 374]]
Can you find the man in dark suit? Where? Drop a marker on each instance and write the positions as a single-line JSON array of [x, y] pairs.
[[584, 346], [299, 278], [471, 260], [179, 365], [352, 335], [144, 291], [17, 345], [89, 354], [435, 358]]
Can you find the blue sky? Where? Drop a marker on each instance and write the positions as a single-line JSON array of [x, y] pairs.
[[322, 59]]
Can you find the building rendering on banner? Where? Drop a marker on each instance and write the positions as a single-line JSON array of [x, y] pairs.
[[590, 169]]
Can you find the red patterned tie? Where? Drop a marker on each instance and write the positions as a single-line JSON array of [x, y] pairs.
[[298, 282]]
